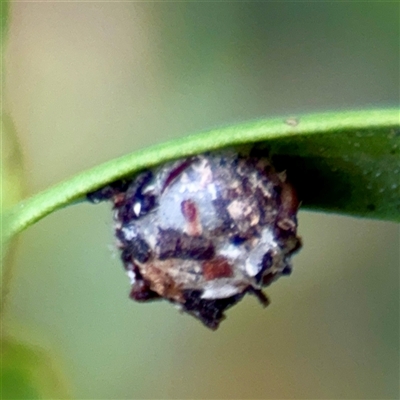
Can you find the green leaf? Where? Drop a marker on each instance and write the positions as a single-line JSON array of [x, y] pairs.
[[345, 162], [28, 372]]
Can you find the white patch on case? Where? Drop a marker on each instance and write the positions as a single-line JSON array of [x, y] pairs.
[[219, 290], [212, 190], [253, 263], [206, 176], [129, 232], [136, 208], [231, 252], [131, 276], [252, 269], [148, 189]]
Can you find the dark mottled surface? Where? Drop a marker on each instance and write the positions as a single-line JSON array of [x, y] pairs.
[[210, 312], [204, 231]]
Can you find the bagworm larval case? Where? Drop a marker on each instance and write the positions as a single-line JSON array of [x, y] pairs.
[[203, 231]]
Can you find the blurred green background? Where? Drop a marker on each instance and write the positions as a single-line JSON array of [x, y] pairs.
[[87, 82]]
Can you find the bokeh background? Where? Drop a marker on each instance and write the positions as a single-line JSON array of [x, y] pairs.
[[89, 81]]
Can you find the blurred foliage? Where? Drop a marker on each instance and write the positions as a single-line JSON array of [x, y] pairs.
[[12, 169], [27, 372], [12, 190], [4, 12]]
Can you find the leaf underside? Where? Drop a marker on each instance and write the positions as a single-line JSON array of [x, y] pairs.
[[343, 162]]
